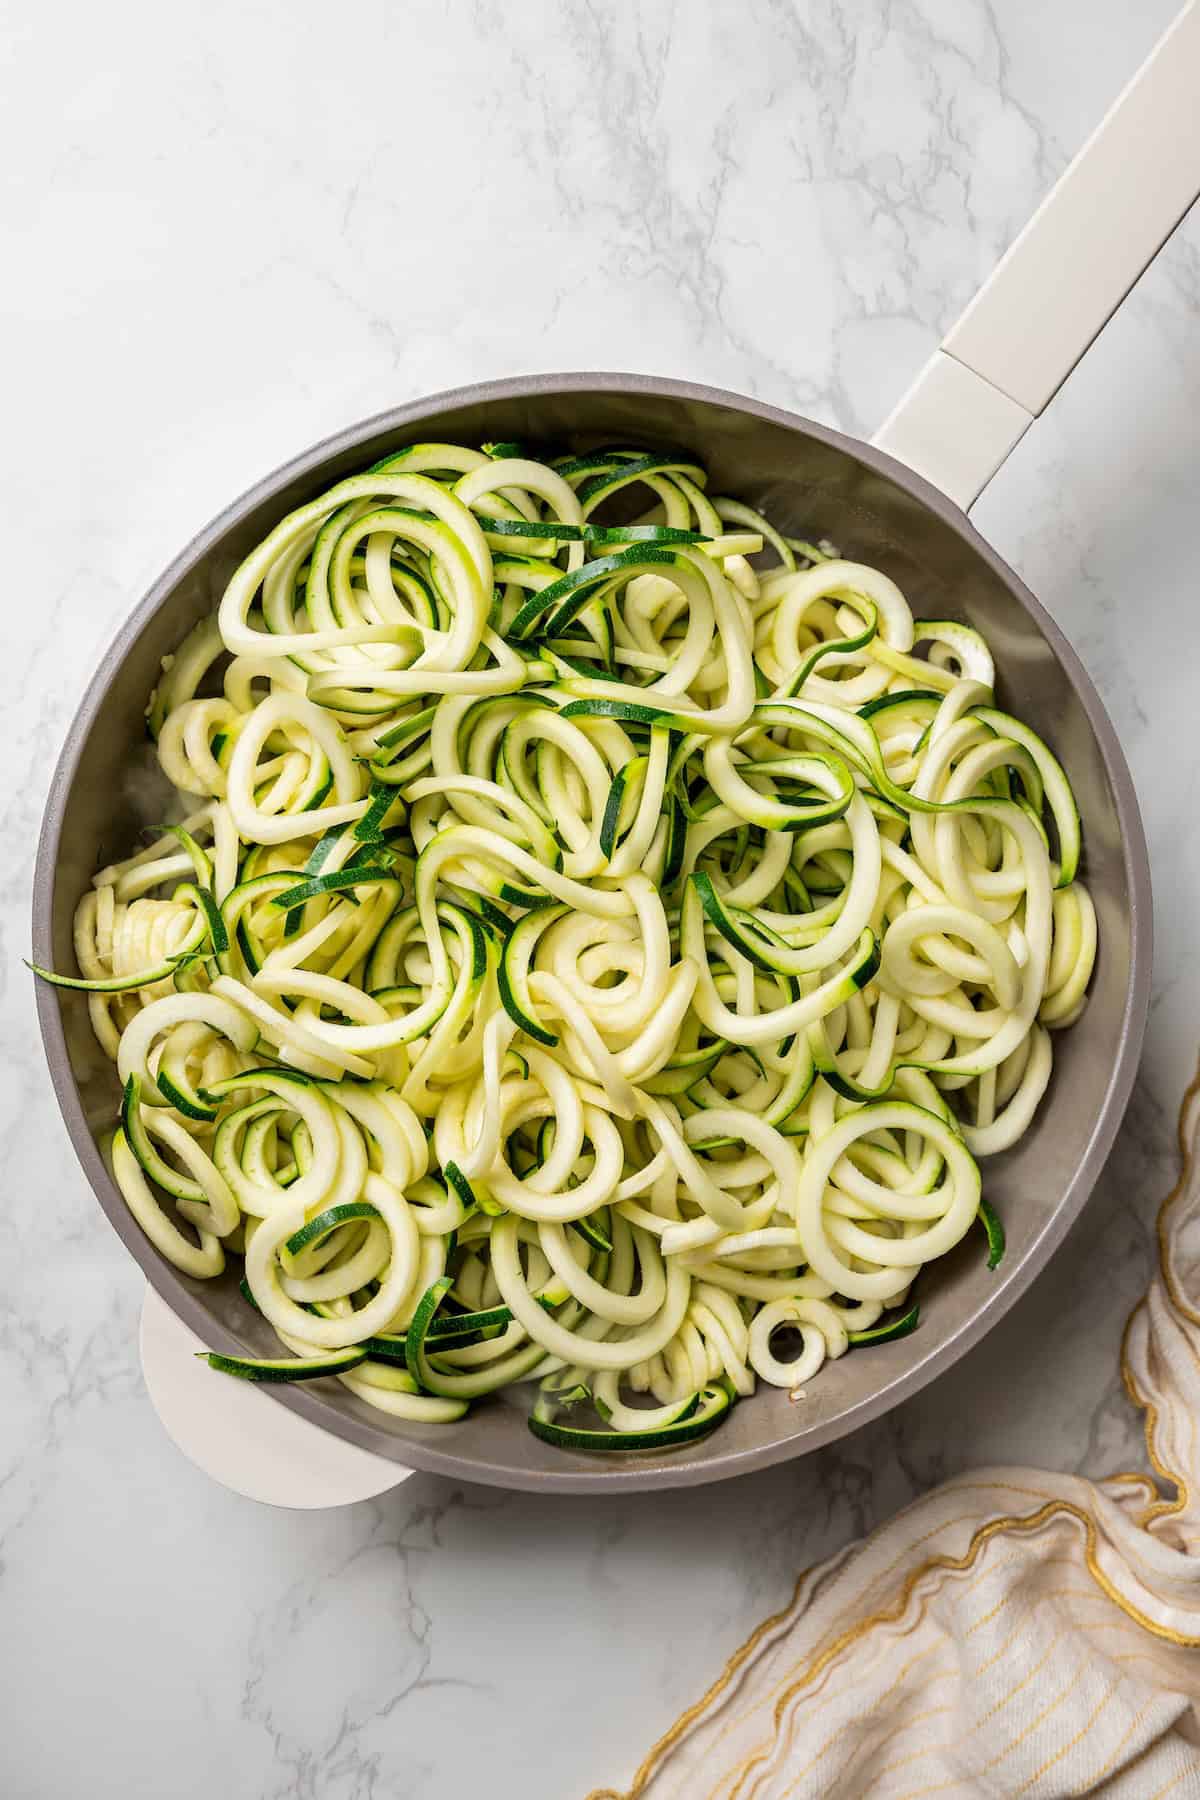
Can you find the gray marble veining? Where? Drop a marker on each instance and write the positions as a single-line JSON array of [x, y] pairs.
[[225, 239]]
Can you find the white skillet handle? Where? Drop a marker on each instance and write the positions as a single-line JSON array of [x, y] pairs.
[[1060, 283], [240, 1437]]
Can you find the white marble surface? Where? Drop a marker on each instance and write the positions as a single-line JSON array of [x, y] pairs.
[[229, 230]]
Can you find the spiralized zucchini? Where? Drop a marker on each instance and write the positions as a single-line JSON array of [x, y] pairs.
[[587, 955]]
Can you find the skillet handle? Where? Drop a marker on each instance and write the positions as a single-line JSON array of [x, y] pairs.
[[240, 1437], [1058, 285]]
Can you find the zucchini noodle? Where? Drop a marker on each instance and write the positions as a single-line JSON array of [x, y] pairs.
[[595, 949]]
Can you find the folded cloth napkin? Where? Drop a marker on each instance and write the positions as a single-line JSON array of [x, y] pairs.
[[1014, 1632]]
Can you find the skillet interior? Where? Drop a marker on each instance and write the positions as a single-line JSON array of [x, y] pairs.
[[812, 482]]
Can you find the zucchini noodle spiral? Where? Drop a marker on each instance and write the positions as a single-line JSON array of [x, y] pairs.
[[586, 955]]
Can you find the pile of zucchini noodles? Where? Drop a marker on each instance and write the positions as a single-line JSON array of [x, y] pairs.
[[586, 956]]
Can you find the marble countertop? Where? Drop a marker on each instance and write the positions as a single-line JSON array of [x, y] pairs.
[[224, 239]]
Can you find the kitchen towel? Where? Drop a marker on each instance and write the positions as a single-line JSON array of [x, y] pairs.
[[1013, 1632]]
